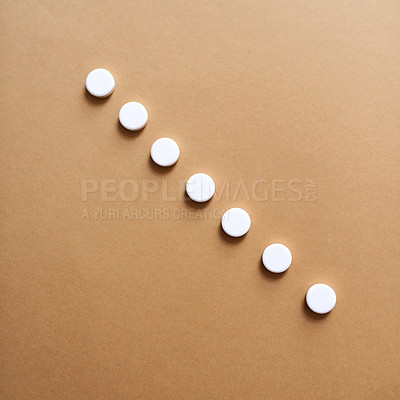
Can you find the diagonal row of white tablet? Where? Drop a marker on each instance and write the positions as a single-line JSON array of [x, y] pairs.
[[276, 258], [200, 187], [132, 116]]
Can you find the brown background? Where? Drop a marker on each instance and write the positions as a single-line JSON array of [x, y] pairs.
[[172, 309]]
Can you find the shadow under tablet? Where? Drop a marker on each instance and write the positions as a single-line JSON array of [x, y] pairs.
[[189, 203], [311, 314], [126, 133], [97, 101], [229, 239], [269, 274], [158, 169]]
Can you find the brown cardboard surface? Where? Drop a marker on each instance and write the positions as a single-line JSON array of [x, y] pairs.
[[106, 298]]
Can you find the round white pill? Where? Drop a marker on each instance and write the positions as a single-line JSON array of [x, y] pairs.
[[236, 222], [100, 82], [133, 116], [165, 152], [200, 187], [277, 258], [321, 298]]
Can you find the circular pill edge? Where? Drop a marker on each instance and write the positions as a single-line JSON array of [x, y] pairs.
[[87, 83], [122, 110], [227, 213], [309, 294], [280, 245], [153, 150], [213, 187]]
